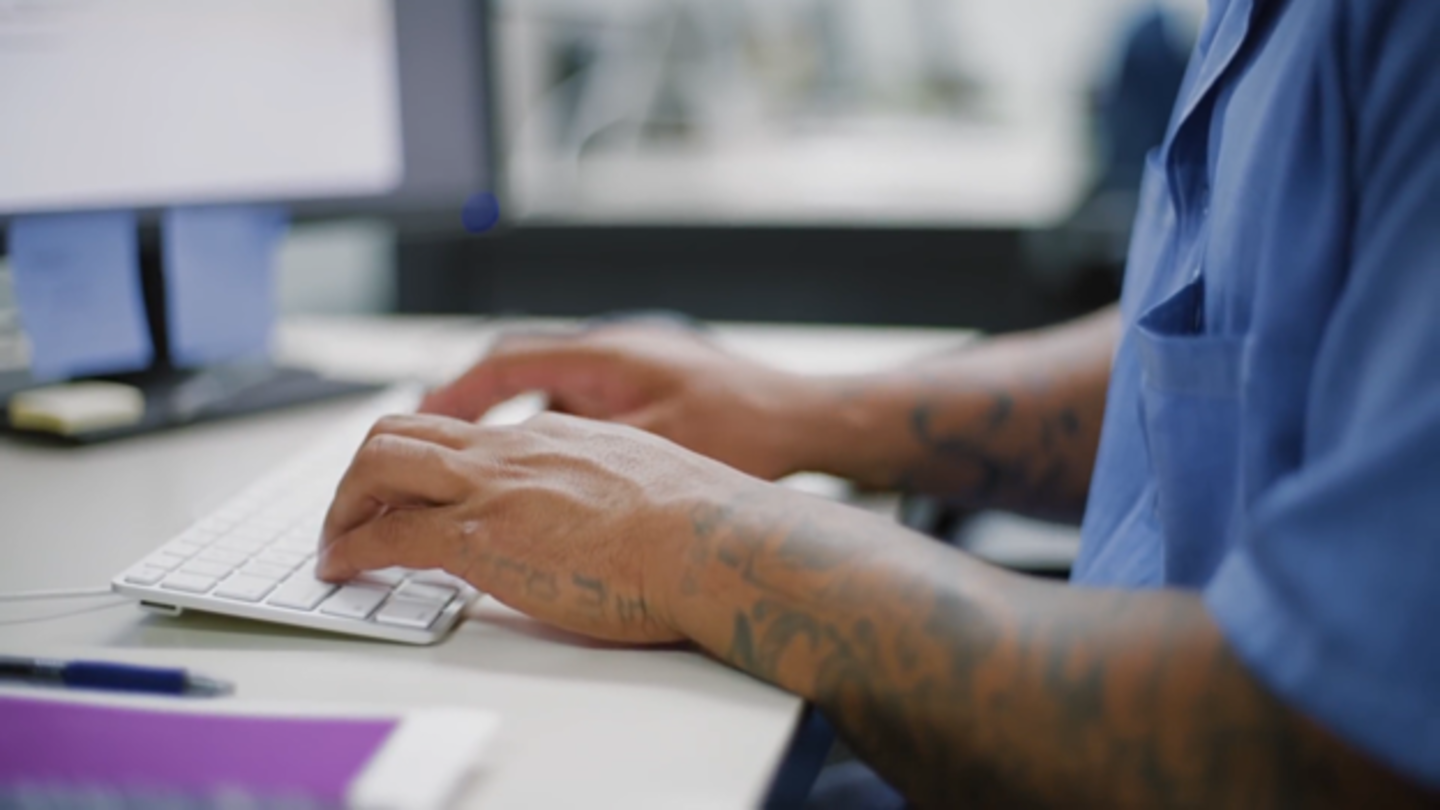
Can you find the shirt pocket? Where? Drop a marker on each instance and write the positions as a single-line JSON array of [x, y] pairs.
[[1190, 409]]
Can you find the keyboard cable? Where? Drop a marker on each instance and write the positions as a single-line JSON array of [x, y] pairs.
[[39, 596], [17, 597]]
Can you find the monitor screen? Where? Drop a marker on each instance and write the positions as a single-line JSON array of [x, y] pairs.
[[161, 102], [332, 106]]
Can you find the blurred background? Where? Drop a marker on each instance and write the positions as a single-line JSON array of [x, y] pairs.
[[920, 162], [931, 162]]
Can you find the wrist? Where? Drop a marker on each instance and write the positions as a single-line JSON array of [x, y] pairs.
[[679, 544], [704, 528], [837, 425]]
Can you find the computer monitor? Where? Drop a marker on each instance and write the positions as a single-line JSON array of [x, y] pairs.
[[332, 106], [328, 107], [166, 102]]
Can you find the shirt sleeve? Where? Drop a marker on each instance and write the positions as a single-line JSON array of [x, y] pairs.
[[1332, 594]]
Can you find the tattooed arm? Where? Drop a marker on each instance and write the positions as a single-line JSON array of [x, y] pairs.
[[960, 683], [967, 686], [1011, 422]]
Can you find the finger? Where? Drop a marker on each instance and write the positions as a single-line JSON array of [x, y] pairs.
[[451, 433], [420, 537], [493, 379], [557, 366], [392, 471]]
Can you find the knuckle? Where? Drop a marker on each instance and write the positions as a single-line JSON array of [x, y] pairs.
[[377, 447], [379, 450], [395, 420], [391, 423]]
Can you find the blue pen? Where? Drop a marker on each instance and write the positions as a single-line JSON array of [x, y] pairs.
[[110, 677]]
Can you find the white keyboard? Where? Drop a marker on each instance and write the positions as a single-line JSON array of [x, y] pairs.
[[254, 557]]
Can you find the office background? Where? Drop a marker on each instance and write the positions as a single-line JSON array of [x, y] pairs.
[[852, 161], [927, 162], [841, 161]]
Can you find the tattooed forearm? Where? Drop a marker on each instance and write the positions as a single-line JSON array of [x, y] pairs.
[[1017, 424], [966, 686], [584, 601], [976, 463], [1013, 422]]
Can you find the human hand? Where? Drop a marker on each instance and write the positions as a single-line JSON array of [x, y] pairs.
[[577, 523], [664, 380]]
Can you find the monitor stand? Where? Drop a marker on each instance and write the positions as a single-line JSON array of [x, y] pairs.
[[179, 397]]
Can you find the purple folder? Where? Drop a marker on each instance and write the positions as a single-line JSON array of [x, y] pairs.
[[55, 745]]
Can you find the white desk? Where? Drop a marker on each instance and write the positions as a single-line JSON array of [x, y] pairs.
[[582, 723]]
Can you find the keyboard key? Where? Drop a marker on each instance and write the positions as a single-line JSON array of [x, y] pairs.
[[232, 515], [354, 602], [145, 575], [207, 569], [298, 544], [223, 556], [166, 561], [271, 524], [244, 588], [409, 613], [189, 583], [422, 592], [268, 570], [389, 577], [246, 531], [278, 556], [437, 577], [183, 548], [301, 592], [247, 545]]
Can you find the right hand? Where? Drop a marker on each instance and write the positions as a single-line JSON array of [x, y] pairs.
[[664, 380]]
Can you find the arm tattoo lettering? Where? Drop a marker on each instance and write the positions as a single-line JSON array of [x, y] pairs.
[[591, 594]]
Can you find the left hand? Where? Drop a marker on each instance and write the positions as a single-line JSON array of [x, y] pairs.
[[574, 522], [671, 382]]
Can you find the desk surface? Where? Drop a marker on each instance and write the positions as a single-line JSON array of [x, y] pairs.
[[640, 728]]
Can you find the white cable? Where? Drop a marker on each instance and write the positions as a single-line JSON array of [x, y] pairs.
[[67, 614], [37, 596]]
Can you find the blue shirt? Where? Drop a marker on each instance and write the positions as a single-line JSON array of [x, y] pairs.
[[1273, 430]]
